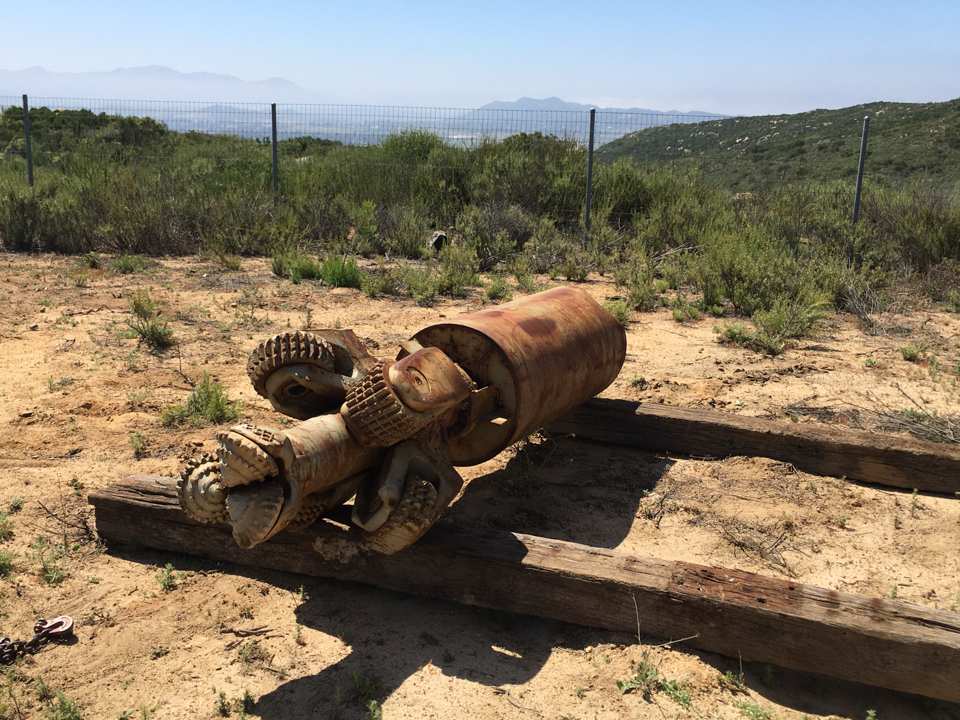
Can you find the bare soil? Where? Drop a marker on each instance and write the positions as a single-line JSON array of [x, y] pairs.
[[74, 387]]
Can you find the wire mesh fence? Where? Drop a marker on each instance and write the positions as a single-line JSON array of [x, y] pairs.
[[437, 160]]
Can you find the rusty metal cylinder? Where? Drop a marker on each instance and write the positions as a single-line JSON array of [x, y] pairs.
[[544, 354]]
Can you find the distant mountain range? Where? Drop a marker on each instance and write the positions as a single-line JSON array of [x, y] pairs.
[[124, 91], [156, 82], [151, 82], [555, 103]]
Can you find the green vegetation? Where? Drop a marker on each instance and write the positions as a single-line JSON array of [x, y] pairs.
[[6, 528], [6, 563], [498, 290], [907, 141], [752, 711], [168, 578], [340, 271], [207, 404], [146, 324], [780, 256], [63, 708], [648, 681], [620, 311]]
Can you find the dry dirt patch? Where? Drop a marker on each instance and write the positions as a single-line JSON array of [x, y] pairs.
[[78, 397]]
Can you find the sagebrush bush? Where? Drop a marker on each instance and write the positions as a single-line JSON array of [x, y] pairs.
[[498, 290], [340, 271], [458, 270], [635, 276]]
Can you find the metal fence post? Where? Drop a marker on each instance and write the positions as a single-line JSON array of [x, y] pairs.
[[863, 157], [27, 146], [274, 169], [589, 200]]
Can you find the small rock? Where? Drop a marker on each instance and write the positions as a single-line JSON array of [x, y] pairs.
[[26, 413], [35, 326]]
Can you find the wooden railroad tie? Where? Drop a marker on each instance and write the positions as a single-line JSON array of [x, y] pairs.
[[879, 642], [822, 450]]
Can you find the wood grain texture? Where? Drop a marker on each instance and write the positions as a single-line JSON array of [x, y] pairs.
[[879, 642], [822, 450]]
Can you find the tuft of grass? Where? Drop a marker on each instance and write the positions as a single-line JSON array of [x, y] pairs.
[[676, 691], [129, 264], [382, 282], [738, 334], [49, 559], [91, 260], [620, 311], [168, 579], [44, 692], [6, 528], [154, 332], [207, 404], [222, 707], [645, 680], [733, 682], [340, 271], [63, 708], [6, 564], [138, 443], [684, 311], [648, 681], [59, 384], [498, 290], [911, 352], [16, 505], [143, 306], [252, 652], [295, 265], [752, 711]]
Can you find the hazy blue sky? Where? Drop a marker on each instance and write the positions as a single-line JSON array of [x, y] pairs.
[[730, 56]]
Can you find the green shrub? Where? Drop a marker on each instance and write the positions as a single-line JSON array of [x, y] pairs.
[[788, 319], [129, 264], [6, 563], [63, 708], [636, 277], [153, 331], [295, 265], [382, 282], [620, 311], [207, 404], [458, 270], [422, 285], [684, 310], [91, 260], [142, 305], [340, 271], [498, 289]]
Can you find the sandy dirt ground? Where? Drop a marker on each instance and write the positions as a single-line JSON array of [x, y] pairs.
[[74, 387]]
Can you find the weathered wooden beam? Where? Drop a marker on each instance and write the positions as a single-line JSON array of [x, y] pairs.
[[822, 450], [739, 614]]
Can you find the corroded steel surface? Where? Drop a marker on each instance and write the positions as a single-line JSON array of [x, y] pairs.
[[545, 353]]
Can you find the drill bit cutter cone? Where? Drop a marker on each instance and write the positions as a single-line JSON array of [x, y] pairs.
[[388, 433]]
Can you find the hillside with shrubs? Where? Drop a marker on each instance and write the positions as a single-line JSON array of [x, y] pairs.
[[781, 253]]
